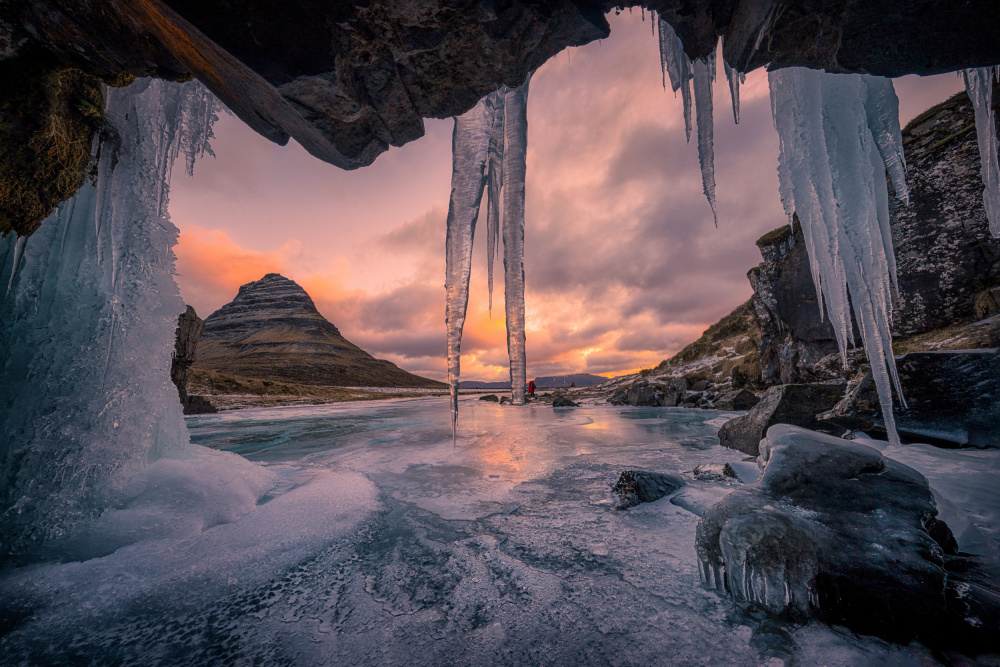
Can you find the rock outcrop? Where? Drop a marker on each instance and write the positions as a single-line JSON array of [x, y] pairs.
[[272, 331], [189, 330], [797, 404], [637, 486], [836, 531], [952, 399]]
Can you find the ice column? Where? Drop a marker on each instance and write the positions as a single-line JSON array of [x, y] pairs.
[[488, 147], [838, 134], [681, 71], [516, 140], [88, 325], [979, 84]]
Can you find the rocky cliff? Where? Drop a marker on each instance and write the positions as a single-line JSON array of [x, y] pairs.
[[272, 331], [948, 263], [189, 330]]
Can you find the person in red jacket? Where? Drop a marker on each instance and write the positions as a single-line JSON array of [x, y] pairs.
[[531, 388]]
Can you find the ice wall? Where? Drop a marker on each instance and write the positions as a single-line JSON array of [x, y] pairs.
[[488, 147], [88, 325], [838, 135]]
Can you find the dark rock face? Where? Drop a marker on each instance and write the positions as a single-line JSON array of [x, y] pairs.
[[272, 331], [953, 399], [796, 404], [835, 531], [563, 402], [739, 399], [643, 395], [635, 486], [948, 263], [944, 250], [189, 330], [490, 397]]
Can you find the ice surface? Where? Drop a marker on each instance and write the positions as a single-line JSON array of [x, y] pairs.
[[675, 64], [488, 146], [837, 133], [87, 403], [979, 84], [381, 544]]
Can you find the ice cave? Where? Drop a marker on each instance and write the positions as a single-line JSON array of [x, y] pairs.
[[810, 479]]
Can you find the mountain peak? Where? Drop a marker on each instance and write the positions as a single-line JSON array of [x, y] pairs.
[[273, 331]]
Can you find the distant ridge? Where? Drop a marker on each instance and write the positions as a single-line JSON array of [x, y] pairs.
[[561, 381], [272, 331]]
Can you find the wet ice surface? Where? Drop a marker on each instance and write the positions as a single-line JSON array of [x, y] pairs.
[[381, 543]]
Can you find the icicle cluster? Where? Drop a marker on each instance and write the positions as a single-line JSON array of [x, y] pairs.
[[979, 85], [89, 323], [488, 149], [838, 135], [682, 72]]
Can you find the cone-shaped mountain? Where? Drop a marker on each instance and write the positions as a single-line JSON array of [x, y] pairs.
[[272, 331]]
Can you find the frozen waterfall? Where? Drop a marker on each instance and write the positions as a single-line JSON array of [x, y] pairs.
[[979, 84], [838, 135], [488, 146], [87, 404]]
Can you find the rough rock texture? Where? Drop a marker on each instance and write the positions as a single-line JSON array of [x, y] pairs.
[[953, 399], [490, 397], [272, 331], [833, 530], [796, 404], [737, 399], [643, 395], [636, 486], [948, 262], [189, 330], [563, 402]]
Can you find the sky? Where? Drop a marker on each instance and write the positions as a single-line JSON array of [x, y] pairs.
[[623, 264]]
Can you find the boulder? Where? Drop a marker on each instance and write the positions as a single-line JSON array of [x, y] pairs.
[[796, 404], [835, 531], [493, 398], [952, 399], [700, 385], [637, 486], [563, 402], [620, 397], [504, 399], [737, 399], [643, 395], [670, 398]]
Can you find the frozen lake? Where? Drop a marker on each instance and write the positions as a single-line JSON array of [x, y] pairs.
[[382, 543]]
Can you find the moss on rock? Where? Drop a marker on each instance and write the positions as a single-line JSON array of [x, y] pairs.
[[48, 116]]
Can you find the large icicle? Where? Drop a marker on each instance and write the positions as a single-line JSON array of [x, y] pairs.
[[979, 84], [734, 78], [681, 71], [514, 167], [87, 403], [488, 147], [470, 151], [838, 134], [495, 176], [704, 77]]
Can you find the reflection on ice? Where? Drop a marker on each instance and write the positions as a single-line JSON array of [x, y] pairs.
[[382, 544]]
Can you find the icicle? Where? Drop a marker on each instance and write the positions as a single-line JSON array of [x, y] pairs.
[[18, 253], [516, 140], [704, 76], [495, 176], [734, 78], [837, 137], [675, 64], [979, 85], [470, 149]]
